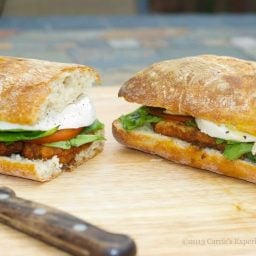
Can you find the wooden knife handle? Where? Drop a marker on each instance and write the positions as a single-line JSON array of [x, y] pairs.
[[61, 229]]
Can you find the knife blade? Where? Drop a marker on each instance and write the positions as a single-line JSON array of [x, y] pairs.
[[61, 229]]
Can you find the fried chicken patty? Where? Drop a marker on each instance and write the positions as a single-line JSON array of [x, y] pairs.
[[187, 133], [66, 156], [36, 151], [8, 149]]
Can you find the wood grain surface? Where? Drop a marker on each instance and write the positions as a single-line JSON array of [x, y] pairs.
[[167, 208]]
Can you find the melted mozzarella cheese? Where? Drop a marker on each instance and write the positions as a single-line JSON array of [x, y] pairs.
[[223, 132], [78, 114]]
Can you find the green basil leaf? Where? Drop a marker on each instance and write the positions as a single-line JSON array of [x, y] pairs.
[[235, 151], [231, 142], [95, 126], [14, 130], [251, 157], [79, 140], [191, 123], [59, 144], [25, 135], [85, 138], [138, 118]]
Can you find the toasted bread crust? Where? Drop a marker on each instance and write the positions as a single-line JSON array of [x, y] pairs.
[[28, 170], [216, 88], [184, 153], [24, 86]]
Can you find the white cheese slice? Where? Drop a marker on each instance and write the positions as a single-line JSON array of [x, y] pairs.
[[254, 149], [78, 114], [223, 132]]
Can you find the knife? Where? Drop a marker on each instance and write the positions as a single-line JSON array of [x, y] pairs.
[[61, 229]]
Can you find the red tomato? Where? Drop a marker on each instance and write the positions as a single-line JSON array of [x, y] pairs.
[[60, 135], [160, 112]]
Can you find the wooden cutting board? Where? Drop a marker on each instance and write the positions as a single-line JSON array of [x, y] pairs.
[[168, 209]]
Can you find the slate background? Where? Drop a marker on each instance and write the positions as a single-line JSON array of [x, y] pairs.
[[119, 46]]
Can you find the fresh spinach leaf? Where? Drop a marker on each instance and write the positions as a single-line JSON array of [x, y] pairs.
[[79, 140], [235, 151], [138, 118], [11, 136]]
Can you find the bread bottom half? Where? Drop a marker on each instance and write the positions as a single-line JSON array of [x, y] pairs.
[[183, 152], [45, 170]]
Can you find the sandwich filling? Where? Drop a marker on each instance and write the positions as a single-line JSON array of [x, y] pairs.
[[62, 134], [231, 143]]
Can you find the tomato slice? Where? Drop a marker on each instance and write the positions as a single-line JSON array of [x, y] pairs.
[[160, 112], [60, 135]]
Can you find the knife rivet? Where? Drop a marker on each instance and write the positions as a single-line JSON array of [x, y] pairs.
[[114, 252], [4, 196], [80, 227], [39, 211]]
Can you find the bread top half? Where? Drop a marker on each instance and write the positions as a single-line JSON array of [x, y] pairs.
[[29, 87], [216, 88]]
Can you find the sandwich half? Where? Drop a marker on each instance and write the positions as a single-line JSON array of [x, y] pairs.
[[198, 111], [47, 120]]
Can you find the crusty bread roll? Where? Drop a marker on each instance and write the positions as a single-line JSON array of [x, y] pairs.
[[31, 89], [218, 89], [215, 88]]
